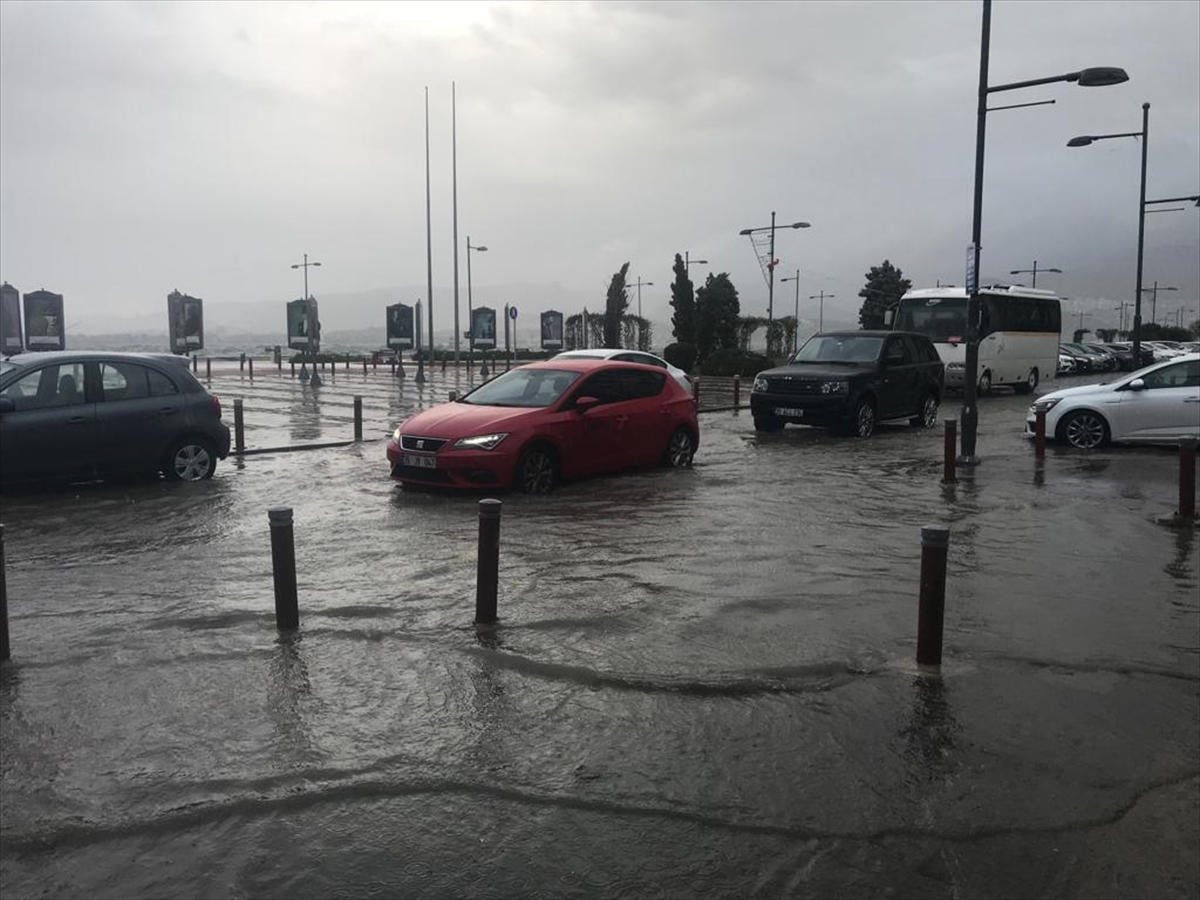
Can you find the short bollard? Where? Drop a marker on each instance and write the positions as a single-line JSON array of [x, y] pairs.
[[242, 363], [1187, 479], [251, 366], [737, 391], [195, 363], [488, 572], [358, 418], [1039, 433], [393, 370], [293, 364], [283, 567], [935, 544], [239, 428], [696, 391], [364, 360], [4, 649], [948, 473], [208, 369]]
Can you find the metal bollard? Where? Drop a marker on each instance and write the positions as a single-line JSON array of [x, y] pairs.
[[935, 545], [195, 363], [4, 648], [357, 418], [242, 363], [364, 360], [208, 368], [948, 474], [737, 391], [393, 370], [251, 362], [1187, 479], [239, 428], [347, 362], [283, 568], [293, 368], [1039, 433], [696, 391], [488, 571]]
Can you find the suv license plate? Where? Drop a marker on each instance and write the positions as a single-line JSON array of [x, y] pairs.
[[420, 462], [791, 413]]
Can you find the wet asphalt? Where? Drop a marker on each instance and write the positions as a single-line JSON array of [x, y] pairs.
[[702, 684]]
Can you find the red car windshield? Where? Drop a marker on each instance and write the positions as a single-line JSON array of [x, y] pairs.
[[523, 387]]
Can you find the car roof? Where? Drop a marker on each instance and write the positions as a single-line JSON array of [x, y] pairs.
[[589, 364], [602, 352], [875, 332]]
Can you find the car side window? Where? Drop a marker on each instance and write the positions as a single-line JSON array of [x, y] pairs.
[[48, 387], [640, 385], [1185, 374], [626, 357], [895, 353], [160, 384], [647, 360], [604, 386], [123, 381]]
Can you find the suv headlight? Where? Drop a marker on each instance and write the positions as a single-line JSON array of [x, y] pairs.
[[1045, 405], [760, 385], [833, 387], [480, 441]]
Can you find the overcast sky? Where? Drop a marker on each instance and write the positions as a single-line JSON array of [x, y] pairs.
[[207, 146]]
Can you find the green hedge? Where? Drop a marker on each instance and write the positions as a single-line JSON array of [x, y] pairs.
[[730, 362], [680, 355]]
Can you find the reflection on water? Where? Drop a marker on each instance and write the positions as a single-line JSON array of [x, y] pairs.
[[929, 734], [289, 692], [1181, 567], [304, 414]]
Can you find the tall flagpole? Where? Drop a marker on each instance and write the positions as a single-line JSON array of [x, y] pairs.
[[428, 232], [454, 161]]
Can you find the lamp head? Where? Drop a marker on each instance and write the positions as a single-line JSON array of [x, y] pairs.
[[801, 225], [1081, 141], [1102, 76], [746, 231]]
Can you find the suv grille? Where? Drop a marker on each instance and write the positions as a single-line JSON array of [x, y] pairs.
[[796, 385], [428, 445]]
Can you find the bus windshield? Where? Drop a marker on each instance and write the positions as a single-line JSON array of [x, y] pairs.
[[941, 319]]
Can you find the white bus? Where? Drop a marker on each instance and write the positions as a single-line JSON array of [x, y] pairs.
[[1020, 331]]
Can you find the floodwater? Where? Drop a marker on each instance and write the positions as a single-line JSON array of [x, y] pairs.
[[702, 683]]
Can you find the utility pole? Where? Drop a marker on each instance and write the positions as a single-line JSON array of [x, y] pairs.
[[821, 296]]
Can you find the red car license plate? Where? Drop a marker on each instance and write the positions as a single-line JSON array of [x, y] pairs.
[[420, 462]]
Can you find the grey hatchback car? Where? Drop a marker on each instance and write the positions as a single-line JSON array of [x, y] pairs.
[[79, 416]]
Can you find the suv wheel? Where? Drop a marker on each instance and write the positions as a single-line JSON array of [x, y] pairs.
[[863, 423], [929, 412]]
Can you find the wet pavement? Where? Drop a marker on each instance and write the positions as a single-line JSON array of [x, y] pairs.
[[702, 683]]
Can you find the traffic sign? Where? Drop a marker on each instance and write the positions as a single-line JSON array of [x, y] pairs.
[[512, 312]]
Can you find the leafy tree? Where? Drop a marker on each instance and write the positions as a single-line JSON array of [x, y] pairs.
[[885, 286], [1194, 330], [615, 306], [683, 299], [717, 310], [1107, 335], [1153, 331]]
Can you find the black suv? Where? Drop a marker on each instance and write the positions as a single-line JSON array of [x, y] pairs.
[[851, 380]]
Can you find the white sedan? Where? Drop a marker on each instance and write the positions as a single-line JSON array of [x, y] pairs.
[[1157, 404], [633, 356]]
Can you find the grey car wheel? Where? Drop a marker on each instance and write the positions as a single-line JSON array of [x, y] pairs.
[[191, 459], [1085, 429], [680, 449], [929, 413], [536, 470]]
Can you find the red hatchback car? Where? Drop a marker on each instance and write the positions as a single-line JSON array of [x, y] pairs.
[[548, 421]]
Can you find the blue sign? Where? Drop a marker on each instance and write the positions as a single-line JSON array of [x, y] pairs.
[[972, 283], [512, 312]]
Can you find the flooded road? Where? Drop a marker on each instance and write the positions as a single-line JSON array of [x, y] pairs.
[[702, 683]]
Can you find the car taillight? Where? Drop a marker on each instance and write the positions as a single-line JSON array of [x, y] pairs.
[[216, 402]]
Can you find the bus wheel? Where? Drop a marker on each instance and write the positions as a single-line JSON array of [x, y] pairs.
[[1029, 385], [985, 382]]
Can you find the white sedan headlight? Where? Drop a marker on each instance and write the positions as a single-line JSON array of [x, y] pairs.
[[1045, 405], [480, 441]]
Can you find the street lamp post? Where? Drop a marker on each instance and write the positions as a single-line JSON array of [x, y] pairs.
[[1094, 77], [688, 262], [470, 314], [1034, 270], [821, 315], [796, 315], [1153, 292], [639, 290], [1179, 315], [750, 232], [316, 379]]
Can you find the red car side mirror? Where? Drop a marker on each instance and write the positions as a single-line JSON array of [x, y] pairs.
[[583, 404]]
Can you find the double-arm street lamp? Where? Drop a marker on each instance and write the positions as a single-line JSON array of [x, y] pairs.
[[1034, 270], [1095, 77], [750, 232], [1153, 292], [1086, 139], [470, 314], [640, 284], [688, 262], [821, 314], [306, 265]]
